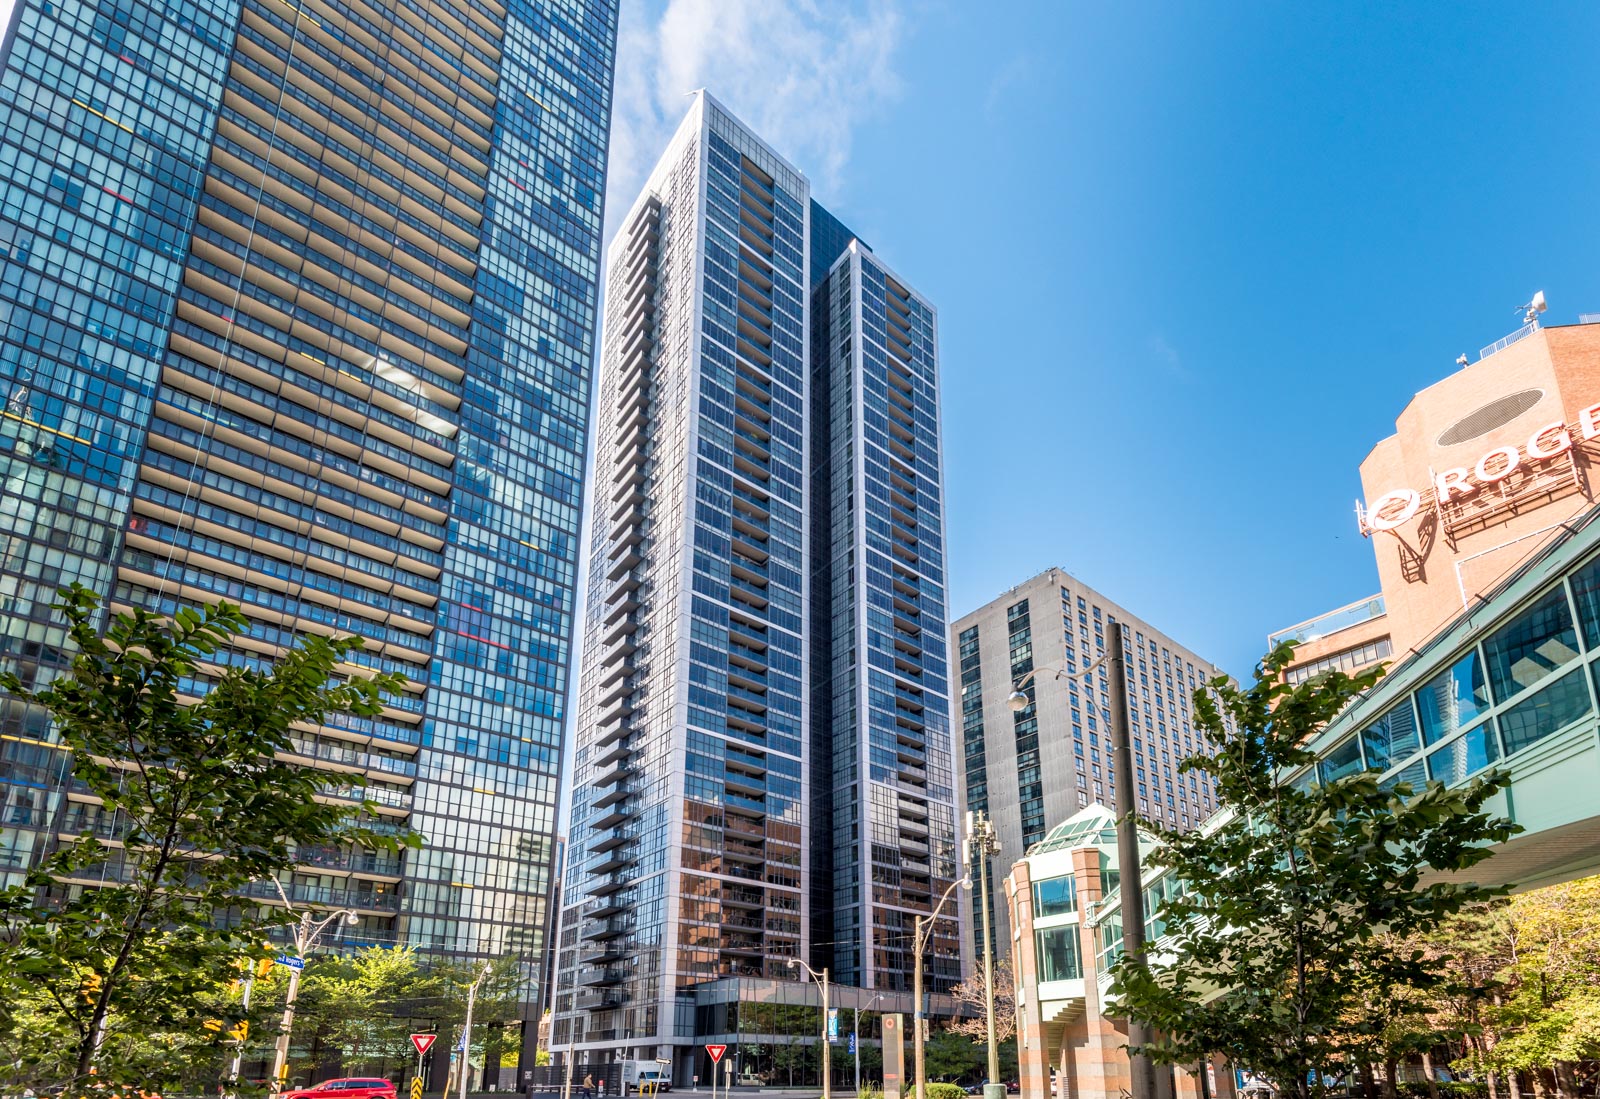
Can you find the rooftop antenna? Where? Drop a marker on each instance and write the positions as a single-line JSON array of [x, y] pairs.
[[1531, 311], [1461, 359]]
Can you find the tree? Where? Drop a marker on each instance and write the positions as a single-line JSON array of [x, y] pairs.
[[1546, 1014], [198, 805], [970, 994], [1276, 940], [951, 1055]]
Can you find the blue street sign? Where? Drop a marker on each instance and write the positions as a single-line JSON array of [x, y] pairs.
[[292, 963], [852, 1044]]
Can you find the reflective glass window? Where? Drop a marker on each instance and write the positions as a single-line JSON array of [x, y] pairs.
[[1055, 896], [1345, 759], [1553, 708], [1452, 699], [1465, 756], [1586, 594], [1058, 953], [1392, 737], [1412, 775], [1539, 642]]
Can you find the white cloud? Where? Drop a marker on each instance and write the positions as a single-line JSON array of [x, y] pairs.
[[802, 75]]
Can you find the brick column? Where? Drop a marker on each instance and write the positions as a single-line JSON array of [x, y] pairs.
[[1033, 1059], [1095, 1052]]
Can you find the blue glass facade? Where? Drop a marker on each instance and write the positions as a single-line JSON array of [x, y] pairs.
[[881, 753], [688, 823], [763, 732], [302, 318]]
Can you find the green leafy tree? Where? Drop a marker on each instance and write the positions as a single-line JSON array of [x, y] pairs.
[[1284, 931], [950, 1055], [197, 806], [1546, 1014]]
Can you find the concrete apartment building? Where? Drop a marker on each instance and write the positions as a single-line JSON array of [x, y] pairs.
[[297, 306], [1040, 765], [763, 757]]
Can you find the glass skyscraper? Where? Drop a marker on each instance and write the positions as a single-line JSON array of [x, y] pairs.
[[296, 310], [719, 767], [884, 802]]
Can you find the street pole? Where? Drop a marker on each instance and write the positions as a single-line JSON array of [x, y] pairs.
[[855, 1041], [827, 1050], [305, 937], [238, 1051], [466, 1028], [280, 1055], [918, 1063], [821, 981], [1141, 1074], [984, 844]]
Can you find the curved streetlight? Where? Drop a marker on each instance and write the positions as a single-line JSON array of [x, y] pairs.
[[924, 930], [875, 998], [821, 981], [1141, 1077], [306, 934]]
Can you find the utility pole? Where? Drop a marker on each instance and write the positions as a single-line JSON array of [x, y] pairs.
[[1141, 1074], [980, 830]]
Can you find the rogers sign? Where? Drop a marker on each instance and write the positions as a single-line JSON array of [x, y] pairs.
[[1395, 508]]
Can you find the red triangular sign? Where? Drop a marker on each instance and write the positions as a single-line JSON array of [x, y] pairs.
[[423, 1042], [716, 1052]]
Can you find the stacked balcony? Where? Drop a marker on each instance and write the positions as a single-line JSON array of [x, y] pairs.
[[613, 786]]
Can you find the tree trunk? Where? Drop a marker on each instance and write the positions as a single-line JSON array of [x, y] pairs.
[[1514, 1082], [1540, 1091], [1494, 1088], [1364, 1075], [1566, 1080], [1431, 1082], [1391, 1072]]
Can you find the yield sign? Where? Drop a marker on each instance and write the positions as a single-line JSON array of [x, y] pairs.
[[423, 1042], [716, 1052]]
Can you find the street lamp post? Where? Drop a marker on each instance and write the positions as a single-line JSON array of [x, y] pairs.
[[306, 934], [1141, 1073], [876, 997], [924, 929], [466, 1029], [985, 844], [821, 980]]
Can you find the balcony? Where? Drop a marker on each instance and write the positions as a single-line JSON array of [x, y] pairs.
[[601, 975], [613, 928], [612, 816], [620, 792], [614, 950], [325, 896], [600, 999]]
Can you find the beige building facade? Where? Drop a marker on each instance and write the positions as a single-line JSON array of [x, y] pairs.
[[1066, 1046], [1485, 468], [1041, 764]]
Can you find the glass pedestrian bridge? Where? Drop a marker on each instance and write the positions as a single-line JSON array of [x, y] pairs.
[[1510, 684]]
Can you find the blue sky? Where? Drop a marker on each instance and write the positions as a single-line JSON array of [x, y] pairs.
[[1191, 260]]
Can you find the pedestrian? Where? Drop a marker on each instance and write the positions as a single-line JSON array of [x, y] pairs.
[[588, 1085]]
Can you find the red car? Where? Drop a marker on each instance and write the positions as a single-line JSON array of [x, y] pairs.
[[349, 1088]]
